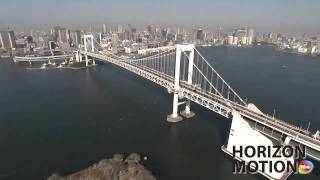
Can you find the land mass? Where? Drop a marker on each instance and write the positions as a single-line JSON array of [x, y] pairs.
[[116, 168]]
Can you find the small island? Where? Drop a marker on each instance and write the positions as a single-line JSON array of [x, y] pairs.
[[116, 168]]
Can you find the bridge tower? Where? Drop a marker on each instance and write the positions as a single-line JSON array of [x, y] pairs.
[[78, 56], [90, 37], [174, 117]]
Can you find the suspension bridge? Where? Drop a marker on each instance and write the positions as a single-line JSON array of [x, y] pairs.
[[187, 74]]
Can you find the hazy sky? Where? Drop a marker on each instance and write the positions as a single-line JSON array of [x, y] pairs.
[[291, 16]]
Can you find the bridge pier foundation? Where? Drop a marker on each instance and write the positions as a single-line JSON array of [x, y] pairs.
[[174, 117], [86, 57], [80, 57], [187, 113], [77, 57]]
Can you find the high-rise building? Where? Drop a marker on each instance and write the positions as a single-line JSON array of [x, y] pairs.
[[133, 33], [250, 36], [64, 36], [163, 34], [244, 40], [272, 37], [179, 38], [56, 33], [7, 40], [120, 29], [149, 29], [128, 32], [199, 35], [105, 29], [114, 39], [244, 35], [76, 37], [241, 34], [126, 35], [219, 34]]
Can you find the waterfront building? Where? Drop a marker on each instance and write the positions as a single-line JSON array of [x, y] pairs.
[[244, 40], [314, 49], [230, 40], [243, 36], [302, 49], [235, 40]]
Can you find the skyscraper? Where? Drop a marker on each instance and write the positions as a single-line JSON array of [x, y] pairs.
[[105, 29], [76, 37], [114, 39], [120, 29], [199, 35], [163, 34], [250, 36], [55, 33], [149, 29], [64, 36]]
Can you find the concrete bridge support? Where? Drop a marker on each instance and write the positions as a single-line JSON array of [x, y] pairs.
[[86, 59], [80, 57], [77, 56]]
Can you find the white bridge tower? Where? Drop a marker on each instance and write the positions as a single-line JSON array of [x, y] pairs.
[[90, 37], [174, 117]]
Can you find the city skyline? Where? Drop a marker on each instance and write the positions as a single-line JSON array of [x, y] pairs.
[[210, 15]]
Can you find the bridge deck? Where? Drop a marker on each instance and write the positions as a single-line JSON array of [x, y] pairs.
[[39, 58]]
